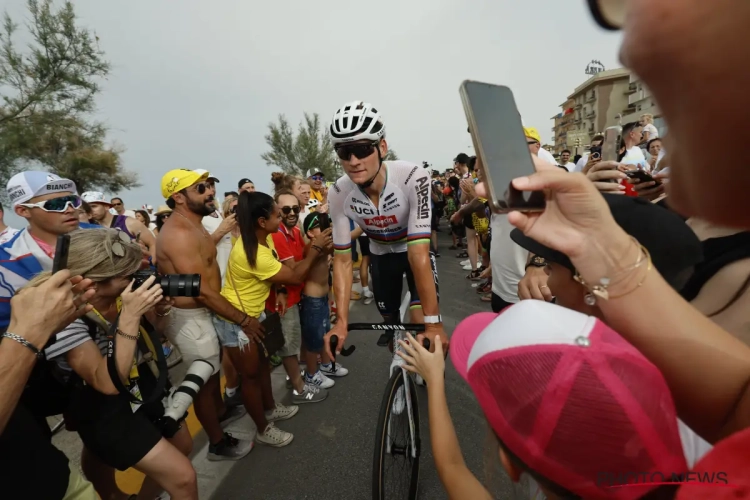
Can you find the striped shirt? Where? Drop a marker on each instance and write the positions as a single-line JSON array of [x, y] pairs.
[[74, 335]]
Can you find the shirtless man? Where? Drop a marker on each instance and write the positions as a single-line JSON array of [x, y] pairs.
[[315, 319], [129, 225], [185, 247]]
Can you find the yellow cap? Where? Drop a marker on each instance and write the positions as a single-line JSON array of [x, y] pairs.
[[179, 179], [532, 133]]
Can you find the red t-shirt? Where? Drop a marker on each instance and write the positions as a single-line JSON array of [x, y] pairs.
[[289, 245]]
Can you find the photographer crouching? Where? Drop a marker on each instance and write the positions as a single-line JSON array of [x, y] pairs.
[[117, 431]]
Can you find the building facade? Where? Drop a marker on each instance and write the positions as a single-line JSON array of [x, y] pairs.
[[596, 104], [640, 101]]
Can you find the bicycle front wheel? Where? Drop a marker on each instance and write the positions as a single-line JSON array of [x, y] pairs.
[[395, 471]]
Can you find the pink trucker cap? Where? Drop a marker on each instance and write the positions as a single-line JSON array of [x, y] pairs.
[[571, 398]]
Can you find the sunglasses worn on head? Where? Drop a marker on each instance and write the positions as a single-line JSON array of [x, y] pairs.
[[361, 151], [288, 210], [59, 205]]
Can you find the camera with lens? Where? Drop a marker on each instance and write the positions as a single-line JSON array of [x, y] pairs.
[[595, 152], [180, 399], [173, 285]]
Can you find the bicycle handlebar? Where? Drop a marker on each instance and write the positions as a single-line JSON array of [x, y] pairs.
[[383, 327]]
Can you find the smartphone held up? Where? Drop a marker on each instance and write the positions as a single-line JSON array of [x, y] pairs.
[[501, 144]]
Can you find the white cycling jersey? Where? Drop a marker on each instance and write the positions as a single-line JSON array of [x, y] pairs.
[[401, 218]]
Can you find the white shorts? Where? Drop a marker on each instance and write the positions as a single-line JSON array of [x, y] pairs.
[[193, 332]]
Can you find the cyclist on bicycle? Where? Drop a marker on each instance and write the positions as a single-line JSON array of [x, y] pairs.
[[390, 201]]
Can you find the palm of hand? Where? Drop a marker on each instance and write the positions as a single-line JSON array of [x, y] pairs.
[[568, 217]]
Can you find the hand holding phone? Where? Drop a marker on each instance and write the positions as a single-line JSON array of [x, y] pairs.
[[62, 249], [501, 145], [641, 176]]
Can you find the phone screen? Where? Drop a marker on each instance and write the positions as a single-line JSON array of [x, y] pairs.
[[612, 138], [499, 140], [61, 253]]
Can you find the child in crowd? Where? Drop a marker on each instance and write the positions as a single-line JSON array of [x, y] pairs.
[[315, 317]]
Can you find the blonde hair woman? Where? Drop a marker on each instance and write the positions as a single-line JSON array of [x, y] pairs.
[[649, 129], [116, 435]]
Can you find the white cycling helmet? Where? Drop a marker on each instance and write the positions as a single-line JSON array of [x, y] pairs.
[[356, 121]]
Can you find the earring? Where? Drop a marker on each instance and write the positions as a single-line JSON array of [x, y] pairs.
[[589, 299]]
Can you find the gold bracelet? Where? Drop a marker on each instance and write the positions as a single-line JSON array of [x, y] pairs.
[[602, 289], [129, 337]]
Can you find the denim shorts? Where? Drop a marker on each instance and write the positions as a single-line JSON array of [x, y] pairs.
[[229, 333], [315, 320]]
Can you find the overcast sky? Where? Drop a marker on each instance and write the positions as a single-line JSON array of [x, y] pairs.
[[195, 83]]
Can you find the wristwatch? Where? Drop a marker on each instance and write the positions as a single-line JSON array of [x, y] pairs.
[[432, 320], [536, 261]]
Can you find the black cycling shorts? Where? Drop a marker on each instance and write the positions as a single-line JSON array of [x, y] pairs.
[[387, 281], [364, 245], [468, 222], [109, 428]]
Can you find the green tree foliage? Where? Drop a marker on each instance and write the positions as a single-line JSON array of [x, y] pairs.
[[390, 155], [309, 151], [48, 92]]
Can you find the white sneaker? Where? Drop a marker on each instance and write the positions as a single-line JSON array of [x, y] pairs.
[[328, 370], [464, 262], [468, 267], [319, 380], [273, 436], [369, 297], [281, 412]]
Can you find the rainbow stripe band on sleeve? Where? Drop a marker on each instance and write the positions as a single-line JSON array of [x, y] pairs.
[[342, 248], [418, 238]]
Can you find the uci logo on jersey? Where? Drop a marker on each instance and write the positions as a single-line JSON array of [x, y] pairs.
[[362, 210]]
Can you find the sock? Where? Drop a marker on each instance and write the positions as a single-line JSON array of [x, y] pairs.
[[230, 391], [366, 289], [325, 365]]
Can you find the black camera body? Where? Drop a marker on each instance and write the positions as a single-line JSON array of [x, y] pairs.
[[173, 285], [595, 152]]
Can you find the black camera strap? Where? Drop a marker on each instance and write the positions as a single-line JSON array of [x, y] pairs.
[[149, 343]]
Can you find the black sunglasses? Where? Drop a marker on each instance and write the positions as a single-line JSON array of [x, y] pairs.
[[361, 151], [609, 14], [288, 210], [201, 188]]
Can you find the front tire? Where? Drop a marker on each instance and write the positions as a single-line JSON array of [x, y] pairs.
[[395, 475]]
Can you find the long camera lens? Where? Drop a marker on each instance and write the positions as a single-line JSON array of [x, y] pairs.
[[182, 397], [181, 285], [173, 285]]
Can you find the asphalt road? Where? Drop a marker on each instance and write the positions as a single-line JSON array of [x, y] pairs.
[[332, 453]]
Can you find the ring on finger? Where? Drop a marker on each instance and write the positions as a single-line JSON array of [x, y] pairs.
[[543, 286]]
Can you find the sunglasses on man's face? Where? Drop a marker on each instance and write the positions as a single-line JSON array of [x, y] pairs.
[[59, 205], [531, 142], [361, 151], [288, 210], [202, 187], [317, 177]]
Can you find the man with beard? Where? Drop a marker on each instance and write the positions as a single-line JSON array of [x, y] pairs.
[[185, 247], [100, 213], [290, 248]]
